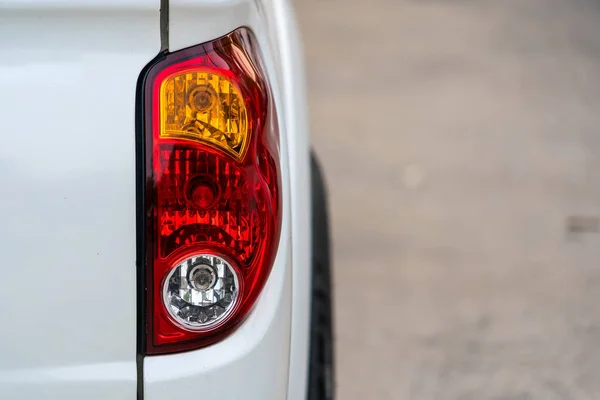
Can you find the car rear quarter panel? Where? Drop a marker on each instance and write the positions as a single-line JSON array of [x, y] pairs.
[[267, 357]]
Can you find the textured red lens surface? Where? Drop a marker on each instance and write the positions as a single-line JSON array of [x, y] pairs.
[[239, 222], [201, 199]]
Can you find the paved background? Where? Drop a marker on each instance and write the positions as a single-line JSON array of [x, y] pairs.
[[461, 141]]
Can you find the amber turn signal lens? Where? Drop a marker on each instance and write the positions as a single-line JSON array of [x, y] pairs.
[[205, 107]]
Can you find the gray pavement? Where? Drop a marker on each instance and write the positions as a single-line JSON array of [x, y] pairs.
[[461, 142]]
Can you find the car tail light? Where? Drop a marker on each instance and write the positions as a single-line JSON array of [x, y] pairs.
[[211, 191]]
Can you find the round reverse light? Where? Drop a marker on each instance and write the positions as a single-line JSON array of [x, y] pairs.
[[201, 291]]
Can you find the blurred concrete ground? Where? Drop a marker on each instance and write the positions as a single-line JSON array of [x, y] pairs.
[[458, 137]]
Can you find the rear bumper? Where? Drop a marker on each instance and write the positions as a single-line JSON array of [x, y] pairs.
[[252, 363]]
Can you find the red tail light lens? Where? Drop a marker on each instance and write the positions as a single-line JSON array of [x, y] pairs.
[[211, 191]]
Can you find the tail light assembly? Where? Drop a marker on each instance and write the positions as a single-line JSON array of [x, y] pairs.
[[211, 191]]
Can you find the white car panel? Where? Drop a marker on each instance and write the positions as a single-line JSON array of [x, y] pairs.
[[298, 143], [67, 173], [80, 5]]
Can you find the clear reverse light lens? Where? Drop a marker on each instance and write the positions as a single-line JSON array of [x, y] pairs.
[[201, 291]]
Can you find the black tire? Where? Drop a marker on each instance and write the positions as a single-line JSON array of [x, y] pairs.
[[321, 361]]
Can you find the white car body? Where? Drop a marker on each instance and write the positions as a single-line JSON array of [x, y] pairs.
[[68, 310]]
